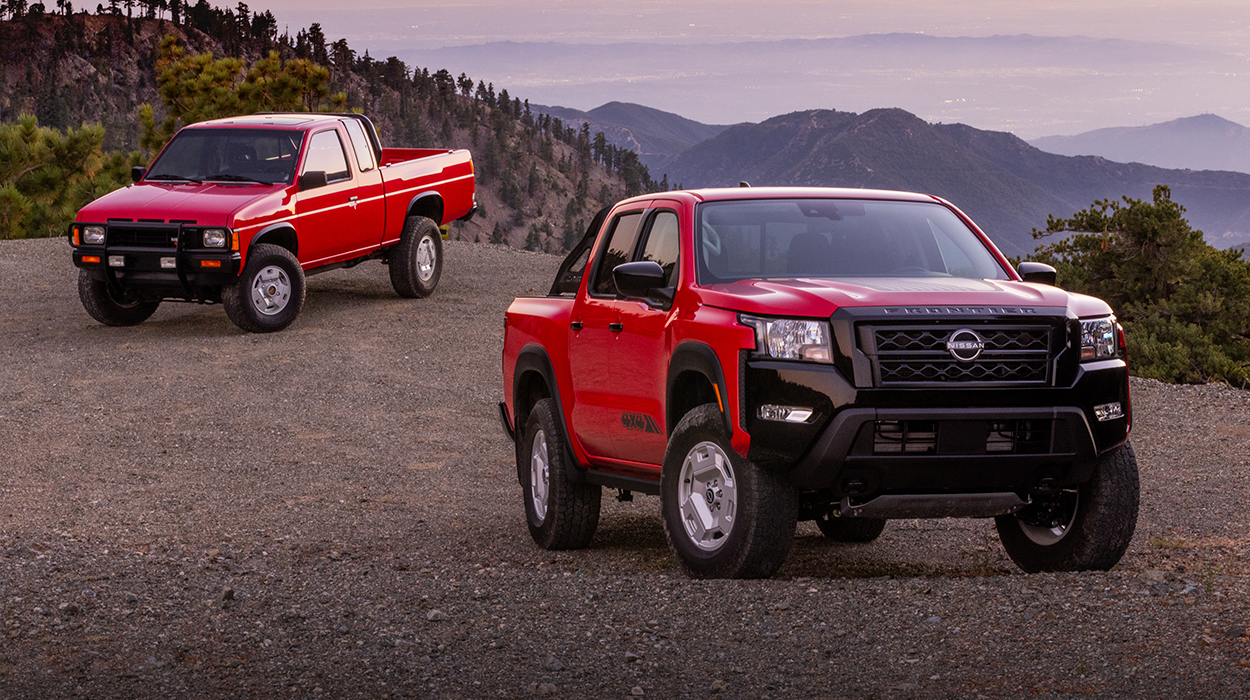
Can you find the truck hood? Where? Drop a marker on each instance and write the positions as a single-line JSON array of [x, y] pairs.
[[205, 204], [821, 297]]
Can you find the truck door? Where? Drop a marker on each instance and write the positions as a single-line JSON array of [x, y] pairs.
[[326, 216], [640, 353], [370, 205], [595, 322]]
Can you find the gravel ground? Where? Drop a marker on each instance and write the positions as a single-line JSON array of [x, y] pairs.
[[190, 511]]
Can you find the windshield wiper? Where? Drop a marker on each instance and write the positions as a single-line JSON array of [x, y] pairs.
[[228, 177], [172, 177]]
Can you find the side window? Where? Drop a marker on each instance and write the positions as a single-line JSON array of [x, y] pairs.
[[662, 245], [360, 143], [325, 153], [619, 250]]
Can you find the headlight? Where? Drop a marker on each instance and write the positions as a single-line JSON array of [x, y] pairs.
[[791, 339], [93, 235], [1099, 339], [215, 238]]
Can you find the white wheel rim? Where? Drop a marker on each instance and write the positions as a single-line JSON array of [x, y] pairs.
[[708, 494], [271, 290], [1047, 536], [539, 475], [425, 259]]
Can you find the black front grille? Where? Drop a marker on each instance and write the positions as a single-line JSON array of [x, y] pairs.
[[912, 355], [143, 236]]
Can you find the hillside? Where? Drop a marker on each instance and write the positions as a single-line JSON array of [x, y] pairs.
[[539, 180], [656, 136], [1202, 142], [1002, 182]]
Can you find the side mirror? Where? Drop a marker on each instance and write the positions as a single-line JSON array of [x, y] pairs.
[[638, 280], [312, 180], [136, 173], [1037, 272]]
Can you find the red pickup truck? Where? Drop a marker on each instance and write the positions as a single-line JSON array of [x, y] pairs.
[[760, 356], [237, 211]]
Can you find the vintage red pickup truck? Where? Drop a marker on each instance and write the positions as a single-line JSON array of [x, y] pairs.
[[760, 356], [237, 211]]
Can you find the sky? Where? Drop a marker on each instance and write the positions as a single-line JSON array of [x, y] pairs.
[[1044, 98]]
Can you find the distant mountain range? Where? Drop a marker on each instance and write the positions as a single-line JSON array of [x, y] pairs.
[[656, 136], [1204, 142], [1006, 185]]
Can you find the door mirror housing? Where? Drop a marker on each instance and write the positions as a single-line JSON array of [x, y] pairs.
[[137, 173], [640, 280], [1040, 273], [312, 180]]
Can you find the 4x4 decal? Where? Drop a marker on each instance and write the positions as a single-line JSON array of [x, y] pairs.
[[640, 423]]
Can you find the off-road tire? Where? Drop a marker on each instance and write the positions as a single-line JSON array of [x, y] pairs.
[[850, 529], [1098, 534], [245, 300], [572, 509], [108, 308], [764, 512], [416, 262]]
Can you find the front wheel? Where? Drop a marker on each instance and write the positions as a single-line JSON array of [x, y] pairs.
[[1085, 528], [560, 514], [269, 294], [724, 517], [417, 260], [112, 308]]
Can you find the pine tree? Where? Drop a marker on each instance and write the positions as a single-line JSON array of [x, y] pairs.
[[45, 176]]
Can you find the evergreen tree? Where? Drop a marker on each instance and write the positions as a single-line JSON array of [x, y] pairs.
[[45, 176]]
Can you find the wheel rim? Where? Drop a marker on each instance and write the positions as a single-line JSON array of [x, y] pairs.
[[126, 301], [1051, 521], [708, 495], [271, 290], [540, 471], [425, 259]]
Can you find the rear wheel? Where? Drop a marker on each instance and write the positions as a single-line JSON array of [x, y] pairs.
[[269, 294], [1085, 528], [560, 514], [417, 260], [110, 307], [724, 517]]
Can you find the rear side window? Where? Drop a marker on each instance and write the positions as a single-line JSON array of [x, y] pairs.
[[325, 153], [619, 250], [360, 143]]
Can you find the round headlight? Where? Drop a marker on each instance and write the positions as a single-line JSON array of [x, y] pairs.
[[93, 235], [215, 238]]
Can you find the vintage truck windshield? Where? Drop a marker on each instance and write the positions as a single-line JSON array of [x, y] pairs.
[[229, 155], [779, 238]]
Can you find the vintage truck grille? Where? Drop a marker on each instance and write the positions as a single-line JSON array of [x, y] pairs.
[[1010, 354], [143, 236]]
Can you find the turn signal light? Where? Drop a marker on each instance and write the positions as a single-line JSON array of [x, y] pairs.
[[91, 258], [210, 263]]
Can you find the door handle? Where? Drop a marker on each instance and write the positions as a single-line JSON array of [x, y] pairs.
[[576, 325], [351, 201], [616, 327]]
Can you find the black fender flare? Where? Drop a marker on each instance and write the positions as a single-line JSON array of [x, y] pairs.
[[695, 356], [425, 204], [533, 358], [269, 231]]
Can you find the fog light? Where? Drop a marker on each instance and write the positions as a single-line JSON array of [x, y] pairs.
[[117, 261], [1108, 411], [786, 414], [169, 263]]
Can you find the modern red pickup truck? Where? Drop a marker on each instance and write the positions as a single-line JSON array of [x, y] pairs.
[[237, 211], [760, 356]]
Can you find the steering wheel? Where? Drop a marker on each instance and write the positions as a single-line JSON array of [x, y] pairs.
[[711, 242], [910, 270]]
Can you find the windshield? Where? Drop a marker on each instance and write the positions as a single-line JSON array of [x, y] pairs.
[[230, 155], [778, 238]]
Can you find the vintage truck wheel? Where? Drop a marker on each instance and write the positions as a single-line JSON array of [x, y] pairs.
[[560, 513], [1080, 529], [269, 293], [102, 304], [417, 260], [724, 517], [850, 529]]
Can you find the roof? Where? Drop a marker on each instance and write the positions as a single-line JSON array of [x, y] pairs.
[[714, 194], [299, 120]]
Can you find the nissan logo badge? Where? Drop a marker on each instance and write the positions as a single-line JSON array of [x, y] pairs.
[[965, 345]]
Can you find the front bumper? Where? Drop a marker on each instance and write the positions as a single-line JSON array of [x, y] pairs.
[[172, 270], [862, 443]]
